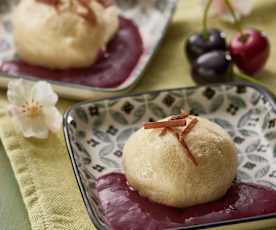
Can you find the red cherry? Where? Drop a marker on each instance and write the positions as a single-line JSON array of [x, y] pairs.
[[250, 50]]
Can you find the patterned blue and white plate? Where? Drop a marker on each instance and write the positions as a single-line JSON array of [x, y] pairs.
[[152, 17], [96, 131]]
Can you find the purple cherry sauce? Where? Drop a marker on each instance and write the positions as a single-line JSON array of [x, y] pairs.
[[113, 67], [125, 209]]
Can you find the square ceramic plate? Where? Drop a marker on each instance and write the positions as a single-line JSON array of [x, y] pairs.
[[96, 132], [152, 24]]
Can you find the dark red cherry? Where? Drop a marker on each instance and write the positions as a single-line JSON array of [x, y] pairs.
[[250, 50], [198, 44], [212, 67]]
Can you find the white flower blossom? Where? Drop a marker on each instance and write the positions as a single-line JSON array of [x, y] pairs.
[[32, 106], [219, 8]]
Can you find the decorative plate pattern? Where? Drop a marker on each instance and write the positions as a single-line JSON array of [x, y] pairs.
[[151, 21], [97, 131]]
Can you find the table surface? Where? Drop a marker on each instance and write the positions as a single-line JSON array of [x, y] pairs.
[[13, 215]]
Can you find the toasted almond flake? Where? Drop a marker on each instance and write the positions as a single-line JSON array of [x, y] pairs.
[[189, 153], [164, 124], [189, 127], [171, 125], [90, 15]]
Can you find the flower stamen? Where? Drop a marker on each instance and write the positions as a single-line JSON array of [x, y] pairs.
[[31, 109]]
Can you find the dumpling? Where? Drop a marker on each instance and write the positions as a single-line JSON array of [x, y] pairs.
[[60, 34], [176, 171]]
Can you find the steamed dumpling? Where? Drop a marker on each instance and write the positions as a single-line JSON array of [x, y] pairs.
[[58, 37], [159, 168]]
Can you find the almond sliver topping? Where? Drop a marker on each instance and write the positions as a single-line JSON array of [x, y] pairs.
[[171, 125], [164, 124], [189, 153], [189, 127], [90, 15]]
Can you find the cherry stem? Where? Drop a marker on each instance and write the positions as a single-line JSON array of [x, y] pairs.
[[243, 77], [205, 17], [237, 21]]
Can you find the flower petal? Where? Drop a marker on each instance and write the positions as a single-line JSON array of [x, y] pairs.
[[219, 8], [43, 93], [53, 118], [243, 7], [31, 127], [18, 91], [13, 110], [31, 119]]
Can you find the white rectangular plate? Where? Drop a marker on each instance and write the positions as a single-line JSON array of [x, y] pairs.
[[152, 24]]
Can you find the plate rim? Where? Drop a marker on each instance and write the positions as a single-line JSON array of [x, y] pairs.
[[123, 87], [91, 213]]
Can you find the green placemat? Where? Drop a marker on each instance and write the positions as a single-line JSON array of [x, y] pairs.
[[168, 69]]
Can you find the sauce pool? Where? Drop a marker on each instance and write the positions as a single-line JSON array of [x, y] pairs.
[[125, 209]]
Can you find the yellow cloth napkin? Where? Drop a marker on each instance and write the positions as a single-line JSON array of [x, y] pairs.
[[42, 167], [45, 177]]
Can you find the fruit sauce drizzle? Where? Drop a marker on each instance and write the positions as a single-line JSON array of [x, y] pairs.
[[171, 125]]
